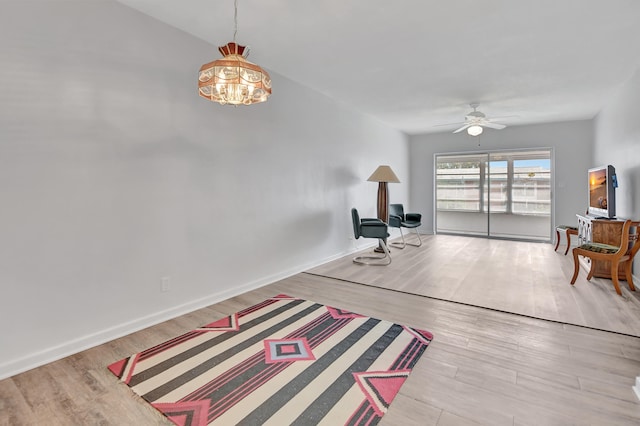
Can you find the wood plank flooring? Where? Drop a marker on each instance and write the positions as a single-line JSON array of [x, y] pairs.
[[483, 366], [519, 277]]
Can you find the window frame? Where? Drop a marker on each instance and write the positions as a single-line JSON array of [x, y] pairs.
[[483, 187]]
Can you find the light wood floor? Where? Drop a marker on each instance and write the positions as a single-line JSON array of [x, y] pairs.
[[483, 366], [519, 277]]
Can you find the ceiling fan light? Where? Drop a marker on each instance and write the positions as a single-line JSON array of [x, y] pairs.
[[474, 130]]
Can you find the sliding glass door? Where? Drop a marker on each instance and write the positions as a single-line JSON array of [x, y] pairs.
[[497, 194]]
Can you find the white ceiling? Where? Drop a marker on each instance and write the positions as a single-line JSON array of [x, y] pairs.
[[414, 64]]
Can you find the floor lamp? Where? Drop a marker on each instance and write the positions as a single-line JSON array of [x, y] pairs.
[[383, 175]]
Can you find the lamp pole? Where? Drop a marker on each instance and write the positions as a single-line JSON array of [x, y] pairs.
[[383, 175], [383, 209]]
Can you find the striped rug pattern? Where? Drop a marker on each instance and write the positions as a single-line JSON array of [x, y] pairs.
[[283, 361]]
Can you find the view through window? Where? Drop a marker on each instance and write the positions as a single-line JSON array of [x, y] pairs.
[[502, 194]]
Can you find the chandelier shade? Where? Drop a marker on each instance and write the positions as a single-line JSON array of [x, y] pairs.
[[234, 80]]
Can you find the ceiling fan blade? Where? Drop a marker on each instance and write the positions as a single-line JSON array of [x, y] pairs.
[[494, 125], [463, 127]]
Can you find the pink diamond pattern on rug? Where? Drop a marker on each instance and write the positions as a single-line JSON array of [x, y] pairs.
[[124, 368], [248, 374], [229, 323], [117, 368], [343, 314], [284, 297], [380, 387], [423, 335], [190, 413], [287, 350]]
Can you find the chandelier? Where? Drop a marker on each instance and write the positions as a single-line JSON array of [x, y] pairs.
[[234, 80]]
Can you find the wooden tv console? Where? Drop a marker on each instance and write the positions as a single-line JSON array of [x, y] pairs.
[[606, 231]]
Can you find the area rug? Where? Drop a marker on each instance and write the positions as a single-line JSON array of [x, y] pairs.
[[283, 361]]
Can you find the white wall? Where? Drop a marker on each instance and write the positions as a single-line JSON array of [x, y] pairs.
[[572, 144], [114, 173], [617, 142]]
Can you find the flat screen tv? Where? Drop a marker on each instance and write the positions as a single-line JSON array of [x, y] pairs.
[[602, 192]]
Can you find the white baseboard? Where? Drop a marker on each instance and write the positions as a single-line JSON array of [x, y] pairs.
[[45, 356]]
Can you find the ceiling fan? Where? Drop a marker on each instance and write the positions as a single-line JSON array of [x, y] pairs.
[[475, 121]]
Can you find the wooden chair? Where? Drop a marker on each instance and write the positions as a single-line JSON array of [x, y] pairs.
[[568, 231], [615, 255]]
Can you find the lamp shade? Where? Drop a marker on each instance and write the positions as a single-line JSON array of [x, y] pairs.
[[384, 174]]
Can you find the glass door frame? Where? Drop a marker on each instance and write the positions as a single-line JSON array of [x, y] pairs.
[[485, 193]]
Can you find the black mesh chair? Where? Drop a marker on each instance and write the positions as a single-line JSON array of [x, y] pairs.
[[371, 228], [399, 219]]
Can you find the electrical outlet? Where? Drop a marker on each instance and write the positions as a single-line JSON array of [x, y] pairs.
[[165, 284]]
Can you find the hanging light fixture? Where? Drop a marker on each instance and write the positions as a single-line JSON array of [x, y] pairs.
[[474, 130], [234, 80]]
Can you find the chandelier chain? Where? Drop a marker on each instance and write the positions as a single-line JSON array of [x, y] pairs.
[[235, 19]]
